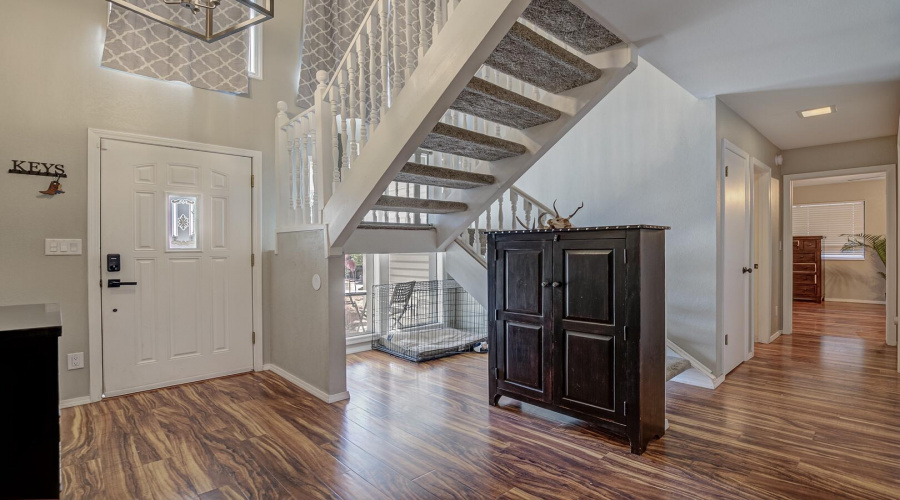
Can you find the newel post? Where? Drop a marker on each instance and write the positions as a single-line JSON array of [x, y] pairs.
[[324, 155], [281, 162]]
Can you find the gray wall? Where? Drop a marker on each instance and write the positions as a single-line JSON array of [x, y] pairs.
[[731, 126], [852, 279], [865, 153], [53, 90], [307, 335], [646, 154]]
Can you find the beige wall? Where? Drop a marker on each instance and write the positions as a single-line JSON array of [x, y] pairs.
[[852, 279], [52, 89], [730, 126], [865, 153]]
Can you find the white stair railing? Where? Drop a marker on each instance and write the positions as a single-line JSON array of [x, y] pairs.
[[508, 213], [325, 141]]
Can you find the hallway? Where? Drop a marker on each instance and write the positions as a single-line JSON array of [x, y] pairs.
[[813, 414]]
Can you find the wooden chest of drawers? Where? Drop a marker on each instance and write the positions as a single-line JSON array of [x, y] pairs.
[[808, 284]]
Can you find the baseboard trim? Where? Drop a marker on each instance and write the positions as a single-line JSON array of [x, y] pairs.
[[856, 301], [306, 386], [68, 403], [359, 347], [697, 378], [775, 336]]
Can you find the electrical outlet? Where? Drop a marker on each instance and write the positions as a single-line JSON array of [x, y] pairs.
[[76, 360]]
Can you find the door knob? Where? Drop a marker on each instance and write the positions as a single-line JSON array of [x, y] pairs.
[[545, 284], [556, 284], [747, 270], [118, 283]]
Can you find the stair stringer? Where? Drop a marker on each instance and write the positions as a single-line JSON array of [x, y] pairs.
[[469, 270], [616, 62], [465, 42]]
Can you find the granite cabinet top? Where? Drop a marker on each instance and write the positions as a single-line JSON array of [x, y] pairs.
[[30, 320]]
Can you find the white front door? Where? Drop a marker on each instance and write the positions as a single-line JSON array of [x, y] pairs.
[[737, 265], [180, 222]]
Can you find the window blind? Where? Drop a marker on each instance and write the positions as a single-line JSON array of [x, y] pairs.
[[833, 221]]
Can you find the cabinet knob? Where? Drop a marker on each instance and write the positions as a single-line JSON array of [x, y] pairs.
[[557, 284], [545, 284]]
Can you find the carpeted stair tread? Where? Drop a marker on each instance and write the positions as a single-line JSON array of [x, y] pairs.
[[416, 173], [418, 205], [493, 102], [675, 366], [395, 225], [534, 59], [459, 141], [570, 25]]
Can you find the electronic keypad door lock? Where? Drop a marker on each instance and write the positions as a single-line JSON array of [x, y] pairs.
[[113, 262]]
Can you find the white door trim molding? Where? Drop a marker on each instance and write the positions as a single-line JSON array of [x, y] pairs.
[[761, 283], [95, 336], [892, 229]]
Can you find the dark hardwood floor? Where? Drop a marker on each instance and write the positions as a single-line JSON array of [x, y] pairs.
[[813, 415]]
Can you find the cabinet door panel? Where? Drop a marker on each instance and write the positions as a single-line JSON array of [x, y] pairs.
[[588, 335], [523, 355], [590, 370], [523, 318]]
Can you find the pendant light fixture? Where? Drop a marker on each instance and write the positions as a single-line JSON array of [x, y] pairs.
[[209, 28]]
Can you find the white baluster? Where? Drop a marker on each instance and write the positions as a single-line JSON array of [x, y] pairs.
[[395, 52], [513, 206], [335, 137], [345, 137], [487, 219], [372, 29], [500, 212], [361, 55], [410, 42], [423, 33], [438, 20], [527, 207], [476, 241], [385, 41], [314, 173], [353, 145]]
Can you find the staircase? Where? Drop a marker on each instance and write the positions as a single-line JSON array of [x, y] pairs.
[[430, 119]]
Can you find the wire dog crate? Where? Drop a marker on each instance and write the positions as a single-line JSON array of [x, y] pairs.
[[424, 320]]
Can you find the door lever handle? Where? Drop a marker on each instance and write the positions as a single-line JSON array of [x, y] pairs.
[[118, 283], [556, 284], [545, 284], [747, 270]]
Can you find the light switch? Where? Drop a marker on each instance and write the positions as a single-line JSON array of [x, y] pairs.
[[62, 247]]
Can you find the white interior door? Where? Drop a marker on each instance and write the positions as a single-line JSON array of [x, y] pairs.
[[180, 220], [737, 265]]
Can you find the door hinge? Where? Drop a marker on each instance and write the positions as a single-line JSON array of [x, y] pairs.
[[726, 339], [496, 314], [625, 408], [253, 338], [726, 170], [252, 180], [496, 373], [625, 334], [625, 253], [252, 259]]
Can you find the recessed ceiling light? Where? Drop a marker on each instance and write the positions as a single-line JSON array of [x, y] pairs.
[[809, 113]]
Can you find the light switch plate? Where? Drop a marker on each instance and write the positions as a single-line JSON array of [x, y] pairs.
[[62, 247]]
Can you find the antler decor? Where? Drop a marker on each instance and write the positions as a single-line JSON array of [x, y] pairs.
[[558, 222]]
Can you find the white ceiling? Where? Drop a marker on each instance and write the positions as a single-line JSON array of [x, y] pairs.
[[838, 179], [765, 50]]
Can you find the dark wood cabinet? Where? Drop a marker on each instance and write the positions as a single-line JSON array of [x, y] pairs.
[[808, 284], [31, 467], [577, 324]]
